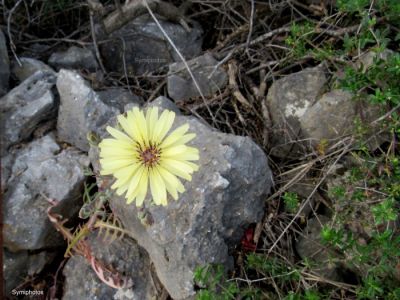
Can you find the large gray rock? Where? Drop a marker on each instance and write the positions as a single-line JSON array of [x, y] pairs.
[[81, 109], [18, 266], [125, 256], [288, 100], [25, 106], [303, 115], [140, 46], [331, 116], [41, 170], [28, 67], [181, 85], [74, 58], [4, 65], [223, 198]]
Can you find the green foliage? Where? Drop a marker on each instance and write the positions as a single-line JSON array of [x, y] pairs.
[[211, 279], [307, 295], [352, 6], [377, 257], [379, 81], [272, 266], [291, 201], [298, 38], [388, 8], [385, 211], [93, 202]]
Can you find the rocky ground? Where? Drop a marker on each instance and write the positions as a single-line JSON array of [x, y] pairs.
[[268, 126]]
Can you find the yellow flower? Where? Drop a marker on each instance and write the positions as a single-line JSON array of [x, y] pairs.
[[143, 152]]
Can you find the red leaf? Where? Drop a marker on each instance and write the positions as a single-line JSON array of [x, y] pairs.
[[247, 240]]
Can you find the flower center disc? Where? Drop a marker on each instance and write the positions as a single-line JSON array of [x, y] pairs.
[[150, 156]]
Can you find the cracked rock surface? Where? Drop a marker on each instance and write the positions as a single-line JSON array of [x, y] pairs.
[[81, 109], [40, 170], [25, 106]]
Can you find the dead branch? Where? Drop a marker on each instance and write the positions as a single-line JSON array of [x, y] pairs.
[[232, 72], [134, 9]]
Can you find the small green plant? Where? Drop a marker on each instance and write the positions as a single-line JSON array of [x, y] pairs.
[[385, 211], [291, 201], [272, 266], [211, 279]]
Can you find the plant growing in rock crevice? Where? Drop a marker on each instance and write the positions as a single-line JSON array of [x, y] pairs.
[[108, 226]]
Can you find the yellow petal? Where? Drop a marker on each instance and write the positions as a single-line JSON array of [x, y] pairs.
[[133, 189], [126, 175], [157, 187], [177, 168], [190, 154], [113, 143], [183, 140], [133, 121], [117, 152], [172, 183], [174, 151], [151, 121], [191, 165], [115, 164], [127, 126], [119, 135], [116, 184], [142, 188], [122, 189], [141, 125], [163, 125], [174, 136]]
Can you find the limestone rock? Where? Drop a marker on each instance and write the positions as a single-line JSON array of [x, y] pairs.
[[141, 47], [74, 58], [81, 109], [181, 85], [41, 170], [303, 115], [331, 116], [288, 100], [28, 67], [223, 198], [125, 256], [25, 106]]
